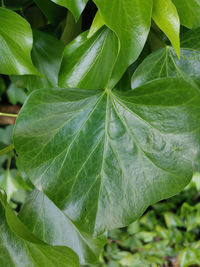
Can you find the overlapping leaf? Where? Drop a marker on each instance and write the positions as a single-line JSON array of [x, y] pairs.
[[75, 6], [165, 63], [20, 248], [46, 54], [166, 17], [102, 156], [44, 219], [88, 63], [189, 11], [15, 44], [130, 20]]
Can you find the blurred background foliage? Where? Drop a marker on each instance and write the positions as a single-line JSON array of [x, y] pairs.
[[168, 234]]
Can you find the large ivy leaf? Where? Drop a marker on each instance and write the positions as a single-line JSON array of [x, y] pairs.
[[15, 44], [44, 219], [21, 249], [75, 6], [47, 59], [166, 17], [88, 63], [165, 63], [130, 20], [189, 11], [103, 156]]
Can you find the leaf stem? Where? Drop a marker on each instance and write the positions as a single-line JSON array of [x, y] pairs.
[[8, 115], [6, 149]]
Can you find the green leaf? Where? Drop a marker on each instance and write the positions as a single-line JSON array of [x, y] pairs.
[[53, 12], [75, 6], [166, 17], [21, 249], [47, 59], [131, 21], [88, 63], [191, 39], [15, 94], [44, 219], [97, 23], [189, 11], [103, 156], [165, 63], [16, 43], [188, 257]]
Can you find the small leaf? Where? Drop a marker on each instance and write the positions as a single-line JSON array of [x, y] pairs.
[[44, 219], [166, 17], [106, 156], [21, 249], [75, 6], [16, 43]]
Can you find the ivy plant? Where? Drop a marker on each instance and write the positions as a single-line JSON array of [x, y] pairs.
[[110, 124]]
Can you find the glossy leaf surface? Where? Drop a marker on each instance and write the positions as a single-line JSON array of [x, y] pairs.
[[20, 248], [165, 63], [75, 6], [44, 219], [106, 156], [15, 44], [189, 11], [88, 63], [46, 54], [130, 20], [166, 17]]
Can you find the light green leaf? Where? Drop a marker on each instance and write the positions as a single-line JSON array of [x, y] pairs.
[[166, 17], [15, 44], [44, 219], [130, 20], [75, 6], [103, 156], [97, 23], [88, 63], [165, 63], [188, 257], [189, 11], [19, 248]]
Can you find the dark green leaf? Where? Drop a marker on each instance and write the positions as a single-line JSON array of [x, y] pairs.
[[131, 21], [165, 63], [191, 39], [103, 156], [46, 54], [44, 219], [53, 12], [21, 249], [16, 43], [88, 63]]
